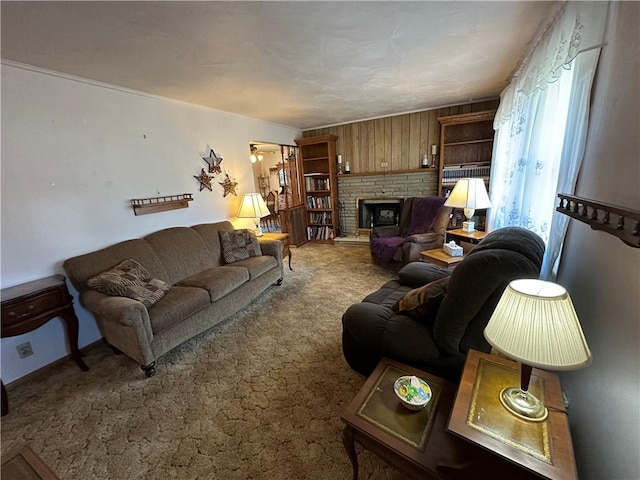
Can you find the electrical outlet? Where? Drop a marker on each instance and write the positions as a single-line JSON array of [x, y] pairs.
[[24, 350], [384, 164]]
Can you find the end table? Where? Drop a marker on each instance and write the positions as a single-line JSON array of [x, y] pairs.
[[30, 305], [439, 257], [543, 448], [284, 238], [415, 443]]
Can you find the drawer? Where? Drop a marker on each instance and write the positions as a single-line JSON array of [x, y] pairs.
[[31, 307]]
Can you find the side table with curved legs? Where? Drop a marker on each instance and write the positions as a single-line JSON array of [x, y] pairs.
[[30, 305]]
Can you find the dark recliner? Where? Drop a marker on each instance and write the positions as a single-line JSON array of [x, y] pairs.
[[438, 345], [394, 246]]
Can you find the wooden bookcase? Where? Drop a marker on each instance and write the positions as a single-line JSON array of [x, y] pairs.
[[466, 147], [317, 176]]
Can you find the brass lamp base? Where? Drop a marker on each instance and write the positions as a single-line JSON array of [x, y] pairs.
[[523, 405]]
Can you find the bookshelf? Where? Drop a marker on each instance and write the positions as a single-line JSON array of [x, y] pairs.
[[317, 171], [466, 148]]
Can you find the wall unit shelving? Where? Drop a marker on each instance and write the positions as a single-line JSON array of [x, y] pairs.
[[317, 171], [466, 147]]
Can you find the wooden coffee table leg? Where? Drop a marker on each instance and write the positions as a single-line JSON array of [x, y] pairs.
[[349, 446]]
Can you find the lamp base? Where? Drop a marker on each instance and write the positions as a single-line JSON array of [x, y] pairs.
[[469, 227], [258, 230], [523, 405]]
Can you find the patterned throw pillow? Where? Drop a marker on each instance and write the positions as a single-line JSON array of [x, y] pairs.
[[422, 303], [130, 279], [239, 245]]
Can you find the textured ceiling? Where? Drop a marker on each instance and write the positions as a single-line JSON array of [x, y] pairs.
[[302, 64]]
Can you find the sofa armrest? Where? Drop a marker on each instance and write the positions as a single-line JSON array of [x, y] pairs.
[[125, 324], [417, 274], [275, 249], [385, 231]]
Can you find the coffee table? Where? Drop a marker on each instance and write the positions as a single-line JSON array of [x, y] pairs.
[[414, 442]]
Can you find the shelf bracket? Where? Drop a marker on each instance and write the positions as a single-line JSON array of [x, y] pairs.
[[620, 222]]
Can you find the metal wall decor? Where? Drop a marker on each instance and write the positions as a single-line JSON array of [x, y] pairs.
[[213, 168], [214, 162]]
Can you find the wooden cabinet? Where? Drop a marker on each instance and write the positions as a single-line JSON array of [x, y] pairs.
[[466, 148], [317, 176]]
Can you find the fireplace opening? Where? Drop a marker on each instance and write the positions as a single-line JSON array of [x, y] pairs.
[[378, 212]]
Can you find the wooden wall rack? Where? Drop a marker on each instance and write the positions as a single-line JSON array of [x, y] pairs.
[[620, 222], [143, 206]]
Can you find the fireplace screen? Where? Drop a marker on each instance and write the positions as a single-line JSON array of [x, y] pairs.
[[378, 212], [385, 216]]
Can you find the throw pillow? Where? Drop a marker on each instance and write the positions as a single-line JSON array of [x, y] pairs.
[[130, 279], [422, 303], [239, 245]]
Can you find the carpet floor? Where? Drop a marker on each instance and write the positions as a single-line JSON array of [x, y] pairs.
[[256, 397]]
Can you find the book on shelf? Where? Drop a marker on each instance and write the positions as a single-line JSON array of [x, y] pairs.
[[324, 217], [315, 202], [320, 233], [314, 184]]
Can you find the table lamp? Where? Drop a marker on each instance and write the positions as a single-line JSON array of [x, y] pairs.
[[470, 194], [253, 206], [535, 323]]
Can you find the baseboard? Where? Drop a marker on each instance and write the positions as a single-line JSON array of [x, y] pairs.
[[50, 366]]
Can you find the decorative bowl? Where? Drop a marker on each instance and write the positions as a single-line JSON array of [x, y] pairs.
[[413, 392]]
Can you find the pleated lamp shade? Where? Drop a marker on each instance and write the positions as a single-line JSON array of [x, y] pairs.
[[253, 206], [469, 193], [535, 323]]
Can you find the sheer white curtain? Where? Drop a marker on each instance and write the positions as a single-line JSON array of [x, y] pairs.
[[541, 128]]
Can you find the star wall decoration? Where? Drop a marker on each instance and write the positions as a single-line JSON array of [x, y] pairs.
[[214, 162], [229, 186], [205, 180]]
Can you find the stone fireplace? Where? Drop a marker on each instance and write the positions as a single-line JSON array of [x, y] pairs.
[[353, 187]]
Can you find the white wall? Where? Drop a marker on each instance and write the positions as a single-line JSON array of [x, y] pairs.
[[602, 274], [74, 153]]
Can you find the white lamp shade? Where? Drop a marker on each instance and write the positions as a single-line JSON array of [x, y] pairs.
[[469, 193], [253, 206], [535, 323]]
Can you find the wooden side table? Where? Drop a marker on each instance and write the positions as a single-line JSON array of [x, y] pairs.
[[415, 443], [284, 238], [465, 239], [543, 448], [440, 258], [30, 305]]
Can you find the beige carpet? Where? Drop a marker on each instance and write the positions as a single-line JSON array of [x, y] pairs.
[[257, 397]]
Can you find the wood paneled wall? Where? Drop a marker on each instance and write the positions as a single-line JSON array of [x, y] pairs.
[[400, 141]]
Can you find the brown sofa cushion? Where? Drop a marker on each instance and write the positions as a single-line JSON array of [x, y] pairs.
[[256, 266], [422, 303], [218, 281], [129, 279], [239, 245], [179, 303]]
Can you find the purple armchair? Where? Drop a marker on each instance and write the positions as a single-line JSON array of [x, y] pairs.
[[421, 227]]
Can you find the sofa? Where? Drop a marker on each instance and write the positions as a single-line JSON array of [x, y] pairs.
[[199, 288], [429, 317], [421, 226]]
